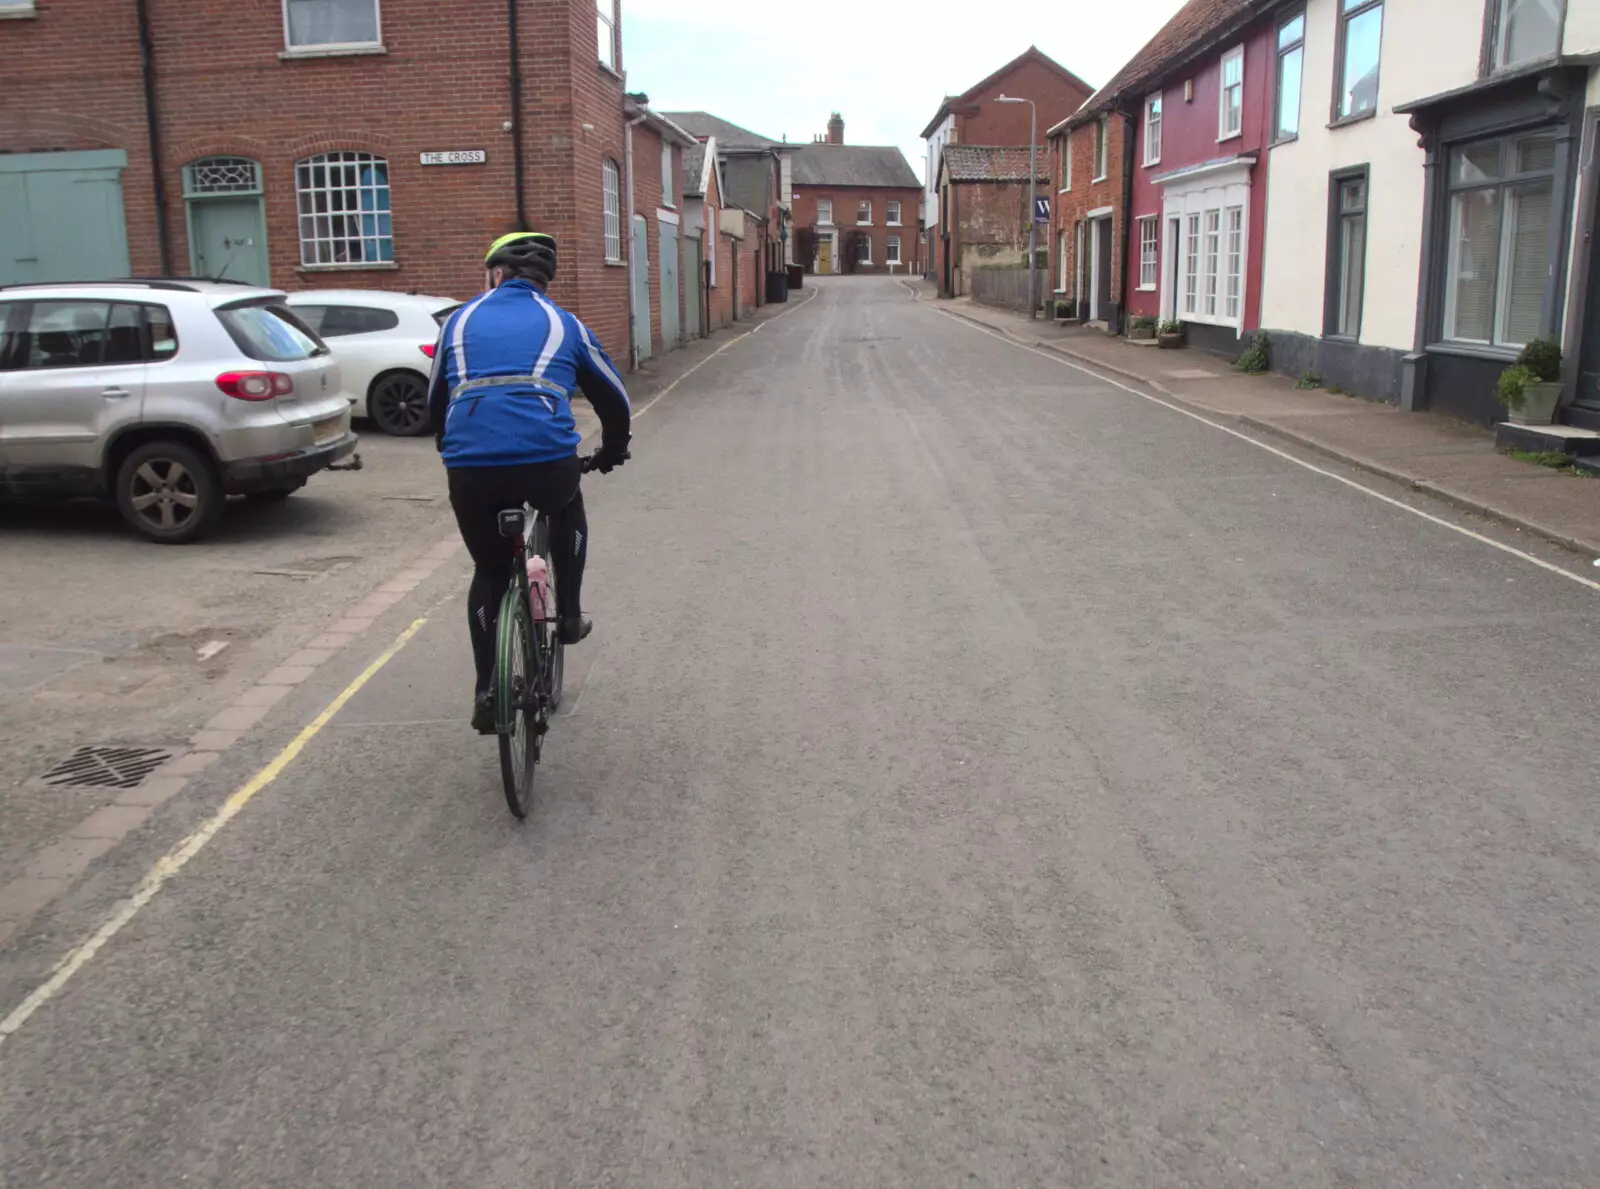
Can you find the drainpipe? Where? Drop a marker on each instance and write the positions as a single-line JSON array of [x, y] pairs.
[[152, 121], [633, 265], [514, 85]]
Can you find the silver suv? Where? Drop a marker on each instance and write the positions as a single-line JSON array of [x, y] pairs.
[[167, 395]]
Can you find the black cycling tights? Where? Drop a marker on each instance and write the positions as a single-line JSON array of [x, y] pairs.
[[478, 494]]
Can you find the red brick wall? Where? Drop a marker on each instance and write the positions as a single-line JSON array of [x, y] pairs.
[[1007, 123], [223, 88], [844, 220], [751, 273], [1086, 194], [46, 105]]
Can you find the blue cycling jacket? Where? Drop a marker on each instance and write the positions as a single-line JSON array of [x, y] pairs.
[[504, 371]]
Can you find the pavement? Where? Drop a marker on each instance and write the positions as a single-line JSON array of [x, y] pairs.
[[1452, 461], [107, 641], [980, 774]]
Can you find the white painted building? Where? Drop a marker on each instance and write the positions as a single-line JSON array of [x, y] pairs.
[[1410, 253], [939, 137]]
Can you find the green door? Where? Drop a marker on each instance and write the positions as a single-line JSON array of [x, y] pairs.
[[227, 241], [63, 217]]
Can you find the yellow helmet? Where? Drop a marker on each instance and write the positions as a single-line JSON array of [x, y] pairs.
[[530, 254]]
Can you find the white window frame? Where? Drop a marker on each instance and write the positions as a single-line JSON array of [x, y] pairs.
[[1190, 283], [1102, 149], [611, 208], [864, 242], [824, 212], [1152, 129], [331, 47], [1211, 251], [891, 250], [339, 159], [668, 197], [1066, 164], [605, 17], [1233, 263], [891, 212], [1236, 54], [1062, 261], [1296, 48], [25, 8], [1149, 252], [867, 222]]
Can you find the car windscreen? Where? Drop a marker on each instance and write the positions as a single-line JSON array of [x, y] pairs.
[[270, 332]]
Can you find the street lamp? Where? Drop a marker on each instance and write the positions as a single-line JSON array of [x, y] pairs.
[[1033, 184]]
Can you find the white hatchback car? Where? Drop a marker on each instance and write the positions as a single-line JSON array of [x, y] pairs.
[[384, 345]]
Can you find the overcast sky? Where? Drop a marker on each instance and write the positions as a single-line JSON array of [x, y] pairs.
[[884, 66]]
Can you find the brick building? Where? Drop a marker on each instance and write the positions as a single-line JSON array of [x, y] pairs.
[[1197, 105], [1089, 158], [315, 151], [703, 206], [974, 118], [754, 175], [653, 182], [985, 207], [860, 202]]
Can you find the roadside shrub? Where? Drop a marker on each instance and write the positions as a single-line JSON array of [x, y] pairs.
[[1255, 358]]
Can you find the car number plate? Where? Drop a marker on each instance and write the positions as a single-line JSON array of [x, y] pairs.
[[327, 429]]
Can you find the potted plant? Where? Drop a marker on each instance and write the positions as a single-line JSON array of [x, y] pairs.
[[1531, 389], [1142, 328], [1169, 335], [1063, 311]]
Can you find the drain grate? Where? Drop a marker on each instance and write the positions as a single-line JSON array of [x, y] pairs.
[[106, 767]]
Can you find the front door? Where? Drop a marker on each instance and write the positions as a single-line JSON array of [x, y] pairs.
[[825, 255], [228, 242], [691, 290], [670, 296], [641, 287], [1102, 269]]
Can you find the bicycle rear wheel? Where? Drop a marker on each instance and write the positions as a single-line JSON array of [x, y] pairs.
[[550, 647], [515, 702]]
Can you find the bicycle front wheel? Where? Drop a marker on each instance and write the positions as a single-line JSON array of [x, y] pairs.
[[515, 703]]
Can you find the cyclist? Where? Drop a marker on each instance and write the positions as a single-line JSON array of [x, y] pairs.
[[504, 371]]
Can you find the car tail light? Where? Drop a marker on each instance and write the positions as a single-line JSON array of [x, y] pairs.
[[427, 349], [255, 385]]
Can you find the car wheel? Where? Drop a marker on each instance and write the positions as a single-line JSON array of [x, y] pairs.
[[272, 495], [169, 492], [397, 402]]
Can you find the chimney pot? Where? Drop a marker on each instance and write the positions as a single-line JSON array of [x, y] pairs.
[[836, 129]]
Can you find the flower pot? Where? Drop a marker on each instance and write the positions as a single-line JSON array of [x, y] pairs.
[[1141, 332], [1538, 404], [1169, 342]]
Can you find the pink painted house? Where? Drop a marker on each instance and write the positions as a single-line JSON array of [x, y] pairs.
[[1199, 95]]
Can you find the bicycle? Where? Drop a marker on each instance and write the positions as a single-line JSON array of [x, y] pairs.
[[529, 657]]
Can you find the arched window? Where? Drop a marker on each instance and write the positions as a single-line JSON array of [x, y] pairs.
[[344, 209], [611, 180]]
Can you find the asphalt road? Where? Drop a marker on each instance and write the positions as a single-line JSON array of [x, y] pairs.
[[979, 775]]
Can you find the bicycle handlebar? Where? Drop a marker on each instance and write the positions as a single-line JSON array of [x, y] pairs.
[[587, 462]]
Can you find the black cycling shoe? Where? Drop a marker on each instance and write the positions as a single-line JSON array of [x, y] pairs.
[[570, 631], [483, 714]]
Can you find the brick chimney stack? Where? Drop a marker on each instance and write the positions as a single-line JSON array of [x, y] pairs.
[[836, 129]]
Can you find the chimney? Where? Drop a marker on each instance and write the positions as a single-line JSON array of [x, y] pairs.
[[836, 129]]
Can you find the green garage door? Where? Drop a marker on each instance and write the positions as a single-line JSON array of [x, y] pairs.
[[63, 217]]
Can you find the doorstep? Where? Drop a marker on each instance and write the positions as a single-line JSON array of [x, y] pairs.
[[1558, 439]]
